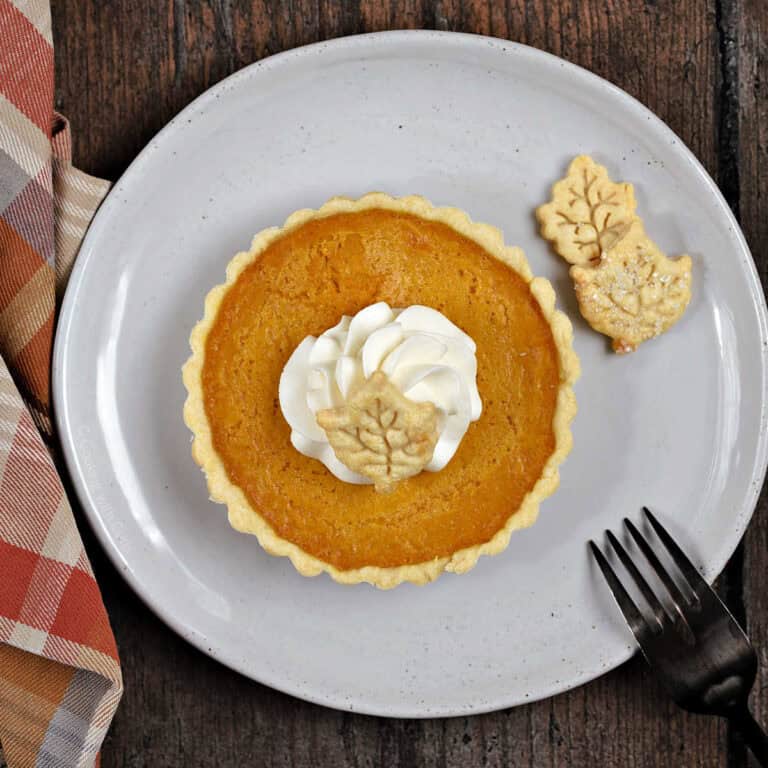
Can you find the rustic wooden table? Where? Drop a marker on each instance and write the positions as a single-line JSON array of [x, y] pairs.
[[124, 68]]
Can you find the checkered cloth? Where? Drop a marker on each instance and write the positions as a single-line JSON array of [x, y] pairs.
[[59, 671]]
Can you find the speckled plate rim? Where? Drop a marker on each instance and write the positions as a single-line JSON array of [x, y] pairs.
[[365, 44]]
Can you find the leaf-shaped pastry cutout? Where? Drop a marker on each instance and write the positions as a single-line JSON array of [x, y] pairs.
[[588, 213], [380, 433], [635, 292]]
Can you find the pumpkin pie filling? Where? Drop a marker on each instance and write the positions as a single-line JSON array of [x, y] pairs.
[[301, 283]]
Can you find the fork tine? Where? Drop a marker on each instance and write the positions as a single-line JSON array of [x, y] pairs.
[[631, 612], [678, 599], [687, 568], [648, 594]]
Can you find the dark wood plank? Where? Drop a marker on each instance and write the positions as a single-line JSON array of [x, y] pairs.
[[124, 69], [750, 124]]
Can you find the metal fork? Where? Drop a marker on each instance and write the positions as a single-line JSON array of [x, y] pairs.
[[693, 644]]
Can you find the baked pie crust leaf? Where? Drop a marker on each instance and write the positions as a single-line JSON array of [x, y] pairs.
[[588, 212], [635, 292], [381, 434]]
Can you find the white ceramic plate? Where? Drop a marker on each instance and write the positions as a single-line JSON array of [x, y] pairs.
[[478, 123]]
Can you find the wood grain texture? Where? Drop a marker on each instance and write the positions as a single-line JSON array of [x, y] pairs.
[[124, 68], [749, 50]]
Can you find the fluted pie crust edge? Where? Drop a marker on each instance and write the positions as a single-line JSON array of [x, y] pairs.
[[244, 518]]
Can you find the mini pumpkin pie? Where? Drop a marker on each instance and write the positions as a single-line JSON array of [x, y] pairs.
[[381, 390]]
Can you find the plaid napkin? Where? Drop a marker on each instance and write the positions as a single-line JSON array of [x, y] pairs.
[[60, 677]]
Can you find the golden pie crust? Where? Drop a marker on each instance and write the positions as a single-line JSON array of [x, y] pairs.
[[298, 280], [626, 287]]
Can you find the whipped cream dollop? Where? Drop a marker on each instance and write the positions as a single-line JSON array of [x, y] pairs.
[[422, 353]]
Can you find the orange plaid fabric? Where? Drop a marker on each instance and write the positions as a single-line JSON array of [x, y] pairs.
[[60, 677]]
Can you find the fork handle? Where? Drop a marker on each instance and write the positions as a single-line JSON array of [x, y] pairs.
[[753, 733]]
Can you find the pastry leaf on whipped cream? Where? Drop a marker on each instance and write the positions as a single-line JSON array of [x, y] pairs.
[[381, 434]]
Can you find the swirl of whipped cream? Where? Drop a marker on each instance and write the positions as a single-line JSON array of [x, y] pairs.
[[422, 352]]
